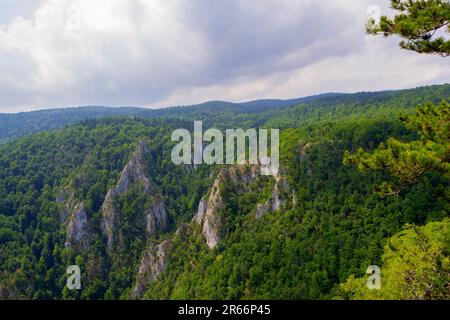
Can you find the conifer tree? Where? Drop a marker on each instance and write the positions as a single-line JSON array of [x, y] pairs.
[[407, 161], [417, 23], [421, 24]]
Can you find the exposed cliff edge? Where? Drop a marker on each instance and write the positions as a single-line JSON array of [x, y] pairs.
[[240, 177], [154, 213], [154, 261], [278, 197], [208, 214], [209, 217], [75, 219], [152, 264], [156, 219], [77, 228]]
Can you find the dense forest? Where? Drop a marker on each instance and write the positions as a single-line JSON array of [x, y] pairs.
[[220, 114], [103, 194], [20, 124]]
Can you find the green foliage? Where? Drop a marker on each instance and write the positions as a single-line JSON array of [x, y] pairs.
[[407, 161], [338, 227], [416, 265], [417, 23], [222, 115]]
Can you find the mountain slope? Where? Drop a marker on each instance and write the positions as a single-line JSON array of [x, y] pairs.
[[105, 195], [218, 112]]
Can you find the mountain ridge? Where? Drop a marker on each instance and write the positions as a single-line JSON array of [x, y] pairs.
[[24, 123]]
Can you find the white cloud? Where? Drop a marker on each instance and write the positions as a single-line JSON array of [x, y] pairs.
[[160, 52]]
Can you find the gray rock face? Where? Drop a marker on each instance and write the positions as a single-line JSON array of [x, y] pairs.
[[107, 223], [262, 210], [66, 201], [134, 171], [294, 198], [277, 200], [74, 218], [155, 216], [201, 211], [78, 226], [304, 147], [208, 213], [152, 264], [277, 197]]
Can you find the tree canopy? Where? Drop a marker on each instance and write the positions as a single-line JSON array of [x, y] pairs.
[[421, 24], [407, 161]]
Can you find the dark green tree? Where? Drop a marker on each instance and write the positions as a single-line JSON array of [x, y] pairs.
[[415, 266], [407, 161], [420, 23]]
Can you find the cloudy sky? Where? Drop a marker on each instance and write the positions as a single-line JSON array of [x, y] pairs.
[[154, 53]]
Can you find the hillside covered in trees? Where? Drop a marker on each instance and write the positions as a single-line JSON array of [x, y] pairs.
[[359, 208], [218, 113], [104, 195]]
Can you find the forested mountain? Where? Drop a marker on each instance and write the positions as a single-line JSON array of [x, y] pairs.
[[20, 124], [218, 112], [103, 194]]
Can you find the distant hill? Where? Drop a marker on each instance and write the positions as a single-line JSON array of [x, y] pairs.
[[104, 195], [214, 112]]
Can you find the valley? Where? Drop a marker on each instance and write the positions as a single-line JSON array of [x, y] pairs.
[[103, 194]]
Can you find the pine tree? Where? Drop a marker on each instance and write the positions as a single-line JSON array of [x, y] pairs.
[[407, 161], [419, 23], [415, 266]]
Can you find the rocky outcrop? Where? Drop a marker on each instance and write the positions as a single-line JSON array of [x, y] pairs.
[[243, 175], [208, 213], [107, 224], [66, 202], [294, 198], [74, 218], [209, 217], [275, 203], [201, 211], [152, 264], [278, 197], [154, 215], [134, 171], [156, 218], [154, 261], [304, 147], [78, 227]]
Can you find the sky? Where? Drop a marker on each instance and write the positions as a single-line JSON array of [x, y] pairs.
[[156, 53]]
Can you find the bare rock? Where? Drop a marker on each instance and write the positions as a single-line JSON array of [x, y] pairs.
[[277, 200], [201, 211], [156, 218], [208, 213], [132, 173], [152, 264], [78, 227]]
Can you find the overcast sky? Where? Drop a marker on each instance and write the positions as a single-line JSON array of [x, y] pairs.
[[155, 53]]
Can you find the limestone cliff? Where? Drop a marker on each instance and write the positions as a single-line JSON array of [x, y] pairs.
[[78, 226], [156, 218], [66, 202], [278, 197], [208, 214], [154, 214], [152, 264], [275, 203], [209, 217], [74, 218]]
